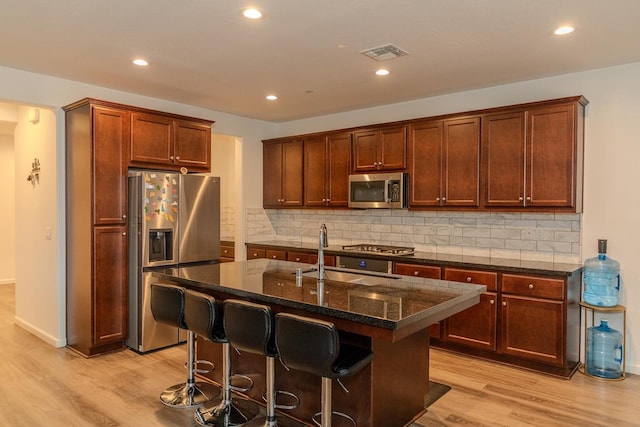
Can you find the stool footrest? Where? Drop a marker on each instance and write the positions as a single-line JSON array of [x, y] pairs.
[[295, 399], [318, 415], [239, 388], [235, 412]]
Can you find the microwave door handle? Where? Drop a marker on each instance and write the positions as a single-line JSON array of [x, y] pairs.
[[386, 191]]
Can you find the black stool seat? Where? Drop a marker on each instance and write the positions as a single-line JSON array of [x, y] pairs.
[[313, 346], [168, 306], [206, 314]]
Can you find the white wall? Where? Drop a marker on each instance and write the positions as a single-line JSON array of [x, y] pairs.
[[612, 150], [8, 211]]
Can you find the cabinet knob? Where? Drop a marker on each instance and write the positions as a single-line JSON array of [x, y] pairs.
[[124, 216], [255, 254], [274, 256], [444, 199], [415, 273], [520, 198], [528, 198], [124, 233], [437, 199], [492, 301], [530, 285], [504, 304], [380, 164], [171, 157], [469, 279], [297, 259], [375, 163], [177, 157]]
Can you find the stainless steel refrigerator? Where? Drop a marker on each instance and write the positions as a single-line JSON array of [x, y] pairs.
[[173, 219]]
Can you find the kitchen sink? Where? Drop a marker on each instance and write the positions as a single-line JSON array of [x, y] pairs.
[[352, 276]]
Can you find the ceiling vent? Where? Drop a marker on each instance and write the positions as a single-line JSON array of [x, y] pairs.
[[384, 52]]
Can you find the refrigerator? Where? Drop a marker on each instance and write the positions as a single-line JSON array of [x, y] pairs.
[[174, 219]]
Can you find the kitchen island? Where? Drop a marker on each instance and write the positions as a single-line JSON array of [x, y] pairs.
[[390, 316]]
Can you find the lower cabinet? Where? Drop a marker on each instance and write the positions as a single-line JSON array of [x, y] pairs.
[[311, 257], [525, 320]]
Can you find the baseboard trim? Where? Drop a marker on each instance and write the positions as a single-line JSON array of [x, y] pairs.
[[44, 336]]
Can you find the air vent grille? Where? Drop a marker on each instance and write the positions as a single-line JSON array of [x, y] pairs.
[[384, 52]]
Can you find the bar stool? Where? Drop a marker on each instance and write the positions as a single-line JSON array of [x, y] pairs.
[[204, 314], [313, 346], [168, 306], [250, 327]]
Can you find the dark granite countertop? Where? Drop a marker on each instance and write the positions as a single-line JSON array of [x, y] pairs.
[[401, 306], [442, 260]]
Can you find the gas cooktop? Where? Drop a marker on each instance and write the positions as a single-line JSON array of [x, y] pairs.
[[380, 249]]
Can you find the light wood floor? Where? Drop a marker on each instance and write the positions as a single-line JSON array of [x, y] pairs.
[[44, 386]]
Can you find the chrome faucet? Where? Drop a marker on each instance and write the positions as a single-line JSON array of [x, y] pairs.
[[323, 242]]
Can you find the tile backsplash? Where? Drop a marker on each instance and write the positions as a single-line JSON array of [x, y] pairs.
[[525, 236]]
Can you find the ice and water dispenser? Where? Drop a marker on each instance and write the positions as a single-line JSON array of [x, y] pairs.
[[160, 245]]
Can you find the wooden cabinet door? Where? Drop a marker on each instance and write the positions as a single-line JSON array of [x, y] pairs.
[[272, 175], [292, 183], [151, 139], [551, 156], [425, 163], [365, 151], [339, 152], [192, 145], [392, 149], [503, 148], [461, 168], [532, 328], [111, 129], [315, 171], [475, 326], [110, 286]]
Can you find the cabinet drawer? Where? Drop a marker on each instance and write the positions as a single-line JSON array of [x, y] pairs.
[[533, 286], [226, 251], [253, 253], [271, 254], [426, 271], [489, 279], [302, 257]]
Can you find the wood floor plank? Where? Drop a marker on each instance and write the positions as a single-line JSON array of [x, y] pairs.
[[44, 386]]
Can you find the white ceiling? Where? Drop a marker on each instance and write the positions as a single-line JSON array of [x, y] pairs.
[[205, 53]]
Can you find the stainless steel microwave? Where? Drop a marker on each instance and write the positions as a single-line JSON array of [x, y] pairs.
[[380, 190]]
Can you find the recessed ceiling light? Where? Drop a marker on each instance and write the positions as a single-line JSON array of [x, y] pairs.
[[561, 31], [252, 13], [141, 62], [271, 97], [382, 72]]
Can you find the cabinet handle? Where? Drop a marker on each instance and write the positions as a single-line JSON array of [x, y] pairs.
[[375, 163], [177, 157], [437, 199], [444, 199], [504, 304], [380, 164], [274, 256], [124, 216], [528, 198], [415, 273], [530, 285], [171, 157], [297, 259], [491, 302], [469, 279], [255, 254], [124, 233], [520, 198]]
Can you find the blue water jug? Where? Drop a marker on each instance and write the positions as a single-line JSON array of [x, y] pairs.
[[604, 351], [601, 276]]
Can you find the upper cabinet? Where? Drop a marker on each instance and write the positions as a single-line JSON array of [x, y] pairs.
[[380, 149], [163, 141], [444, 162], [513, 158], [282, 174], [532, 156], [327, 163]]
